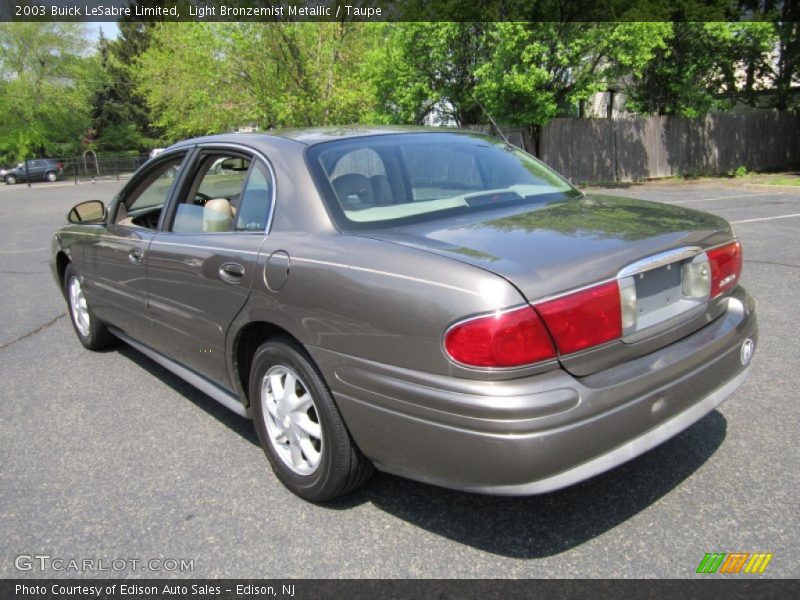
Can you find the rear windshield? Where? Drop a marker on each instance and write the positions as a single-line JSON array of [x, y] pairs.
[[391, 180]]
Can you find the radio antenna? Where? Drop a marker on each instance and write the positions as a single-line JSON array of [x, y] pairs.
[[491, 120]]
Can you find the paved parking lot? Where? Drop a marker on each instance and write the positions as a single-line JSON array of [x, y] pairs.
[[109, 456]]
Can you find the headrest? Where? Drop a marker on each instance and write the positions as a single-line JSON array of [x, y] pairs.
[[217, 215]]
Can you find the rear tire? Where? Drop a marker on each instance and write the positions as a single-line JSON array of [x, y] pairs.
[[51, 176], [299, 426], [90, 331], [10, 180]]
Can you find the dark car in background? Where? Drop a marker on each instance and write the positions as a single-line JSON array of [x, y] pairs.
[[436, 304], [37, 169]]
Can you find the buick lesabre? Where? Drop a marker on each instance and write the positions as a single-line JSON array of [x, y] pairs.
[[431, 303]]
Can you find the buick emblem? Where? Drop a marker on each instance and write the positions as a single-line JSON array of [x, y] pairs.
[[747, 351]]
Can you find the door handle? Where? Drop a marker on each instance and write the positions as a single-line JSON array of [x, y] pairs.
[[231, 272], [136, 256]]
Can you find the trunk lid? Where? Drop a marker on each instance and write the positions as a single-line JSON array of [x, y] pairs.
[[548, 249]]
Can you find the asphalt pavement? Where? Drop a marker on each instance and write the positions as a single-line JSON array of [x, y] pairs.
[[108, 456]]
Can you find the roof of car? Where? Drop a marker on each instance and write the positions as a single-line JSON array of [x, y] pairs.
[[312, 136]]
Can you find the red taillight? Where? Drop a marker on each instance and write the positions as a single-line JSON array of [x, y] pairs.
[[585, 318], [726, 267], [508, 339]]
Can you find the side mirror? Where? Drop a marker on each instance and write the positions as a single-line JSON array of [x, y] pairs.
[[92, 211]]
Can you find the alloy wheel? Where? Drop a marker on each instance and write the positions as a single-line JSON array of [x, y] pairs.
[[292, 420], [78, 307]]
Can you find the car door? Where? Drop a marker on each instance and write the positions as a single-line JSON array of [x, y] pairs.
[[201, 261], [37, 169], [116, 252], [30, 170]]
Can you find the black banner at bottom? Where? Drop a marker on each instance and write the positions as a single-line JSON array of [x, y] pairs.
[[440, 589]]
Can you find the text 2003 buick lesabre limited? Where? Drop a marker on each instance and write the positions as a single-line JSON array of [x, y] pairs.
[[437, 304]]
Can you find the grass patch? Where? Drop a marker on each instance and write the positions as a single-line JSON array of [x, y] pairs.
[[783, 181]]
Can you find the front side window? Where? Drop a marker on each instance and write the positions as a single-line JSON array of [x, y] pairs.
[[389, 180], [142, 206]]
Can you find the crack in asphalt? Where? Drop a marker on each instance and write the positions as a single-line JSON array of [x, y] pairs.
[[769, 262], [23, 250], [23, 272], [34, 332]]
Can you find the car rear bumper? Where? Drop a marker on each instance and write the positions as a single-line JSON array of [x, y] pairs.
[[544, 432]]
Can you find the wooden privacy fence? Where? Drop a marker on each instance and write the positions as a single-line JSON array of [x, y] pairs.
[[611, 150]]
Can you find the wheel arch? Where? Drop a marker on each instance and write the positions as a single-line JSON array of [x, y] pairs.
[[62, 262], [246, 341]]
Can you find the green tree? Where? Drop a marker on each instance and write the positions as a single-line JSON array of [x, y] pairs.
[[787, 71], [703, 67], [538, 71], [119, 114], [46, 76], [419, 68], [302, 74], [185, 82], [208, 77]]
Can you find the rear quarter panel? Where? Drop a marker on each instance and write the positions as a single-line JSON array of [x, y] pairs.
[[368, 299]]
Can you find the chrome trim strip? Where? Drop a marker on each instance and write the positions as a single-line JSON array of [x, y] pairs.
[[386, 273], [224, 397], [659, 260], [157, 241], [640, 266], [571, 291], [604, 462], [228, 249], [111, 237]]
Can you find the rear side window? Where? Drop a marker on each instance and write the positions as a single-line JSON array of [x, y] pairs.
[[229, 193], [256, 201], [211, 201]]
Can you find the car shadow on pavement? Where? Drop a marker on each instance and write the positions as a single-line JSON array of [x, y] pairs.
[[517, 527], [541, 526], [244, 427]]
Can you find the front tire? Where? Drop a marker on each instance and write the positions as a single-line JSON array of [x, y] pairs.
[[10, 180], [299, 426], [90, 331], [51, 176]]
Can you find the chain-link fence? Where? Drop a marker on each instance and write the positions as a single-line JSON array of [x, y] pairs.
[[88, 167], [76, 168]]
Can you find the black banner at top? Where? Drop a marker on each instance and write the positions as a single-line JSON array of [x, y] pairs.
[[385, 10]]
